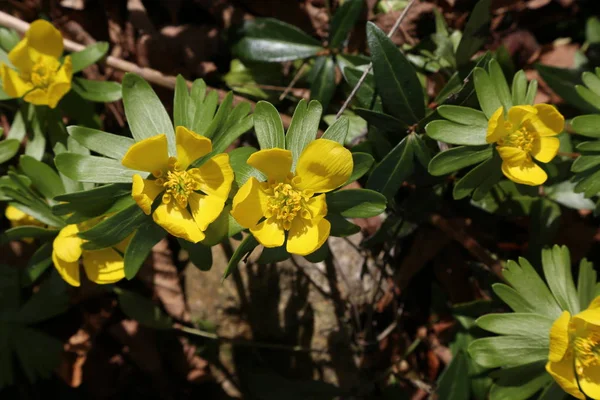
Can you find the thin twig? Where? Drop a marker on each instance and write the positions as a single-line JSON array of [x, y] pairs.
[[368, 69], [294, 80], [150, 75]]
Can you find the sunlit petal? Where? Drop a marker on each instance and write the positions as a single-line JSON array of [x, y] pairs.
[[45, 38], [323, 166], [12, 84], [545, 149], [550, 116], [205, 209], [306, 236], [67, 245], [103, 266], [497, 128], [215, 176], [249, 204], [178, 222], [590, 381], [269, 233], [190, 146], [317, 207], [144, 191], [149, 155], [61, 84], [518, 114], [39, 97], [559, 337], [275, 163], [69, 271], [563, 373], [526, 173]]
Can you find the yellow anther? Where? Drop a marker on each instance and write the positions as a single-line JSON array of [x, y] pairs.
[[587, 349], [286, 202], [43, 72], [178, 184]]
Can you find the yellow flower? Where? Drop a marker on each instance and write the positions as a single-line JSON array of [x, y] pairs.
[[575, 348], [526, 132], [101, 266], [19, 218], [191, 199], [40, 76], [290, 202]]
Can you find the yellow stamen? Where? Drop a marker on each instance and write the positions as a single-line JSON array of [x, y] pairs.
[[522, 138], [178, 184], [286, 202], [587, 350], [43, 72]]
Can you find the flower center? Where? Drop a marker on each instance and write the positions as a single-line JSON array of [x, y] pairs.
[[522, 138], [178, 184], [43, 71], [587, 350], [286, 202]]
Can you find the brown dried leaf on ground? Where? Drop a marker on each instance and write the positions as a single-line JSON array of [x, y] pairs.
[[522, 46]]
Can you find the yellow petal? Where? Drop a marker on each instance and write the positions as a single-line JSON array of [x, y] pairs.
[[69, 271], [13, 214], [249, 204], [317, 207], [526, 173], [323, 166], [190, 146], [149, 155], [103, 266], [511, 154], [550, 116], [590, 381], [67, 245], [306, 236], [178, 222], [45, 38], [559, 337], [496, 127], [12, 83], [21, 56], [518, 114], [563, 373], [594, 304], [61, 84], [590, 315], [269, 233], [274, 163], [545, 149], [215, 176], [39, 97], [144, 191], [205, 209]]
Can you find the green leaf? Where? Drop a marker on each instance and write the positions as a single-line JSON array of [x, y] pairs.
[[273, 255], [519, 383], [553, 392], [8, 149], [458, 157], [107, 144], [557, 269], [519, 88], [205, 112], [589, 96], [450, 132], [396, 79], [143, 310], [303, 128], [220, 117], [93, 169], [531, 92], [362, 164], [99, 91], [454, 383], [480, 178], [243, 171], [583, 163], [183, 107], [383, 122], [531, 286], [244, 249], [26, 231], [499, 81], [88, 56], [395, 168], [501, 351], [268, 126], [587, 182], [587, 125], [356, 203], [323, 83], [562, 82], [140, 246], [37, 264], [519, 324], [36, 145], [340, 226], [145, 113], [592, 81], [92, 202], [199, 254], [489, 100], [564, 194], [337, 131], [42, 176], [512, 298], [113, 229], [586, 284], [228, 134], [343, 21], [476, 32], [366, 93], [463, 115], [223, 227], [271, 40]]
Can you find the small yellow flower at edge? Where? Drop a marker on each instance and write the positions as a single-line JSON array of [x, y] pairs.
[[40, 77], [575, 348], [527, 132], [292, 202], [191, 199], [19, 218], [102, 266]]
